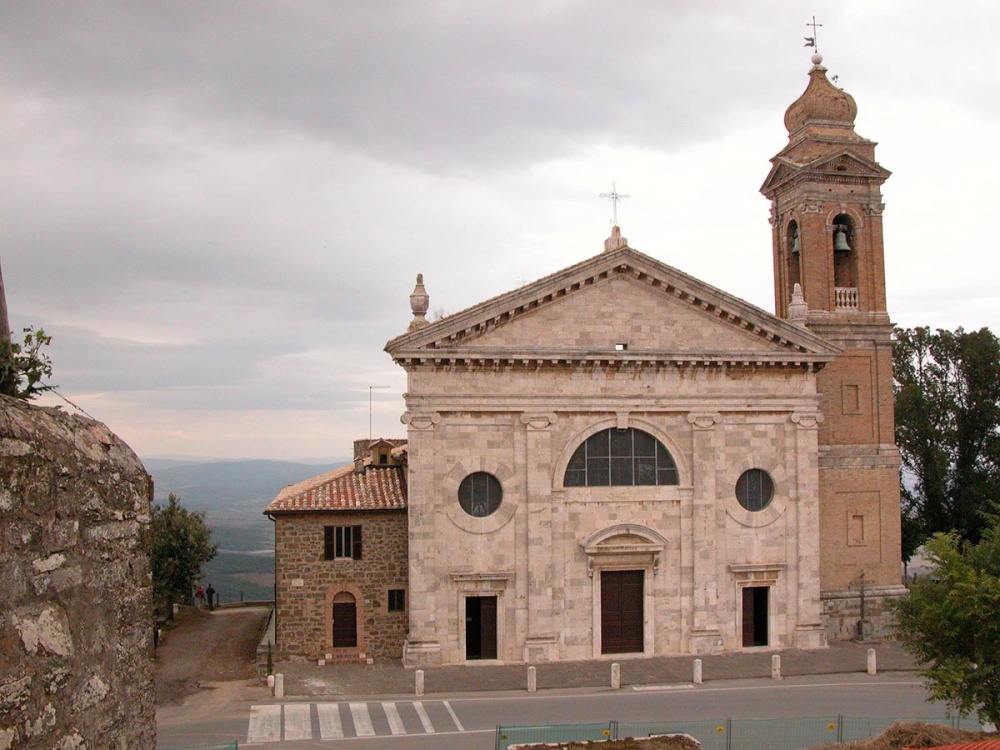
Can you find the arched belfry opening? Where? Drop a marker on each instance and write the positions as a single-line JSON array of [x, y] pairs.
[[794, 244], [845, 263]]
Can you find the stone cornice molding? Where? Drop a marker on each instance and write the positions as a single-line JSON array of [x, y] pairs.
[[537, 359]]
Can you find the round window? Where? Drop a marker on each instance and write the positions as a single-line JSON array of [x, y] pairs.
[[754, 489], [480, 494]]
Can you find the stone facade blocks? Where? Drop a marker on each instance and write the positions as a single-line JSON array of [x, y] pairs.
[[76, 621]]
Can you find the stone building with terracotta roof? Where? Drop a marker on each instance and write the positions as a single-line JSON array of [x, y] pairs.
[[340, 573], [620, 460]]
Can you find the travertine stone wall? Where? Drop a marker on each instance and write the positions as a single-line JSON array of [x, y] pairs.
[[842, 612], [76, 670], [306, 585], [697, 547]]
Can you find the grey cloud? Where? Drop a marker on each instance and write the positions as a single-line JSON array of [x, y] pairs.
[[428, 84]]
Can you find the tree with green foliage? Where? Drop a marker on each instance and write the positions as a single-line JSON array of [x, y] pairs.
[[947, 398], [949, 622], [24, 366], [182, 544]]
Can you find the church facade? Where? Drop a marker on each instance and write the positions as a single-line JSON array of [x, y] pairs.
[[621, 459]]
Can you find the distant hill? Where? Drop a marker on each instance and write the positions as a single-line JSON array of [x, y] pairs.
[[233, 495], [216, 485]]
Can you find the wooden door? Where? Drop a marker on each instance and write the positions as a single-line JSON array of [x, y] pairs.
[[345, 622], [622, 629], [755, 606], [481, 627]]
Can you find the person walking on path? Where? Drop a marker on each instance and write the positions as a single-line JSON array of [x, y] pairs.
[[199, 597], [210, 596]]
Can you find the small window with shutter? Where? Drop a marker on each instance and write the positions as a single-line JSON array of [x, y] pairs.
[[342, 542]]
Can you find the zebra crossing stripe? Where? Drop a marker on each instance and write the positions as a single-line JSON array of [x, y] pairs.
[[298, 722], [418, 706], [454, 716], [362, 720], [330, 727], [265, 724], [395, 722]]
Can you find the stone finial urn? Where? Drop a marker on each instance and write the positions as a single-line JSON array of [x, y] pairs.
[[419, 303]]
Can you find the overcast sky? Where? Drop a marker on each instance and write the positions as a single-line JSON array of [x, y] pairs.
[[218, 209]]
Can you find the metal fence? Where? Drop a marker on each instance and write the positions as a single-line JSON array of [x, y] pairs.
[[743, 734]]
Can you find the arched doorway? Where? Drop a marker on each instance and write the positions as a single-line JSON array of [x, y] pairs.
[[345, 621]]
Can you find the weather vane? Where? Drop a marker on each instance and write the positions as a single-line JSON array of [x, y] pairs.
[[615, 197], [811, 40]]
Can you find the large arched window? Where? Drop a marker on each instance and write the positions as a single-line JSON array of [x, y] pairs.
[[620, 458]]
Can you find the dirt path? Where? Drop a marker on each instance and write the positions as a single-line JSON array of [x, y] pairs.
[[201, 646]]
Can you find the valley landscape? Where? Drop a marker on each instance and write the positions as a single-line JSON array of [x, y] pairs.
[[233, 495]]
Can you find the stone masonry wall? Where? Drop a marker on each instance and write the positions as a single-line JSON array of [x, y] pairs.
[[306, 585], [76, 670]]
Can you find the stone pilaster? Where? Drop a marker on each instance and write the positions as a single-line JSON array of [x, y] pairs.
[[422, 646], [706, 446], [540, 642], [804, 525]]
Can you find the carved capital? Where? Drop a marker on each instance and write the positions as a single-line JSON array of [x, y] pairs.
[[874, 209], [417, 421], [808, 421], [538, 421], [704, 421]]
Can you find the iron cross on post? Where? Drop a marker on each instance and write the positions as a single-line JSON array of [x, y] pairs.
[[811, 40], [615, 197]]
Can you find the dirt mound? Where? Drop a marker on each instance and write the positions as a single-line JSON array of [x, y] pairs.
[[913, 734], [664, 742], [899, 736]]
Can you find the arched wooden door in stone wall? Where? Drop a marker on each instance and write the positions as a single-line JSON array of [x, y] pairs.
[[345, 621]]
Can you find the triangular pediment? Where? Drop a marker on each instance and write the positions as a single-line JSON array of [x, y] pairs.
[[782, 170], [839, 165], [620, 306]]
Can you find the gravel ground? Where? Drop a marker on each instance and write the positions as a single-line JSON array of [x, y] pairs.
[[200, 646]]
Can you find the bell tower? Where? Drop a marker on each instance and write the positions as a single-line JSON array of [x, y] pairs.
[[826, 218]]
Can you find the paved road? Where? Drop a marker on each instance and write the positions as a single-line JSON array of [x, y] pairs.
[[453, 722]]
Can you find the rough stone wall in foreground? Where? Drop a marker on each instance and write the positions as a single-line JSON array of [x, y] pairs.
[[76, 670]]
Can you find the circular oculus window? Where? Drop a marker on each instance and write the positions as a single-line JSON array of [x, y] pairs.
[[754, 489], [480, 494]]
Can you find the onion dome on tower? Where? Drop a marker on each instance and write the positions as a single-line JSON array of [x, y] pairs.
[[821, 103]]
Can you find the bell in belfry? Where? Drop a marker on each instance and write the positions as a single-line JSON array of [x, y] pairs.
[[795, 243], [840, 239]]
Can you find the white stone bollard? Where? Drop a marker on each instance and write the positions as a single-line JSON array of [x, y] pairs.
[[697, 671], [776, 667], [532, 680], [419, 677], [616, 676], [279, 685], [872, 666], [270, 681]]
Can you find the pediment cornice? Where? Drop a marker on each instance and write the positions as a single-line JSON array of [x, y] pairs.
[[447, 341], [843, 165]]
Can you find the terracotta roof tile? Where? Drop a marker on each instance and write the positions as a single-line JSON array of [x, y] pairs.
[[376, 488]]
